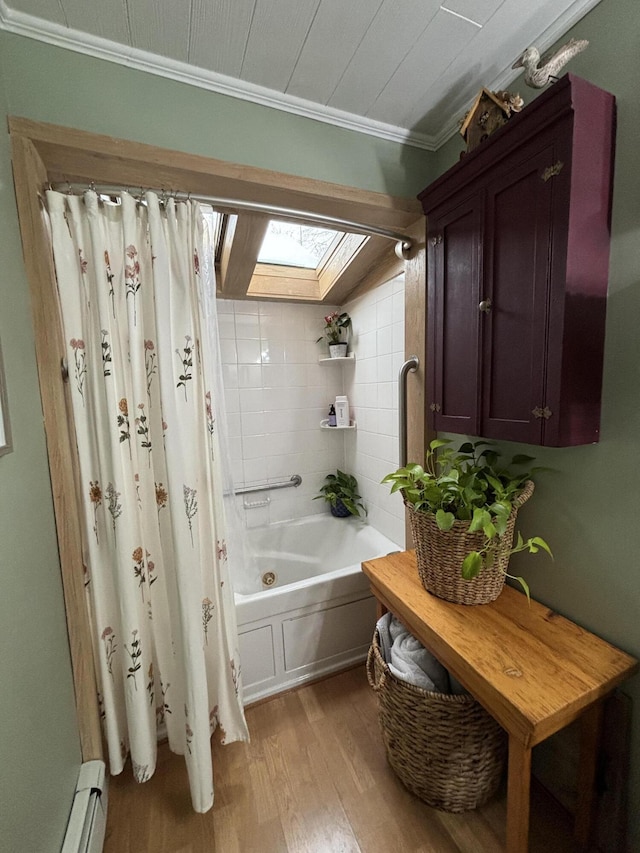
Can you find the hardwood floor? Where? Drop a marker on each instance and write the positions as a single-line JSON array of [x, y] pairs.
[[314, 779]]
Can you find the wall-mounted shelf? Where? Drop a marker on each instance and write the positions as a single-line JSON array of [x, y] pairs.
[[325, 425], [351, 357]]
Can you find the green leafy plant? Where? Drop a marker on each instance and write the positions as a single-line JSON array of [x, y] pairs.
[[341, 488], [469, 484], [334, 324]]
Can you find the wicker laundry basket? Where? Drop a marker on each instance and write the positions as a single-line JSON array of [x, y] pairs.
[[444, 748], [440, 553]]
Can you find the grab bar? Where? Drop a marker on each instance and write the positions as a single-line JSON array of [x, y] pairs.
[[294, 481], [411, 364]]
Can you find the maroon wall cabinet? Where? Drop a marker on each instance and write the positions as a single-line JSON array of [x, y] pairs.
[[518, 260]]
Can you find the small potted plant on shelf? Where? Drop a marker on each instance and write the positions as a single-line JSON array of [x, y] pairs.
[[335, 324], [341, 493], [462, 510]]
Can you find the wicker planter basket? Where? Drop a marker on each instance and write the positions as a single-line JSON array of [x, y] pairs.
[[445, 749], [439, 555]]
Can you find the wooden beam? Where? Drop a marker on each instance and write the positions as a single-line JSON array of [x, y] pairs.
[[242, 241], [81, 156], [343, 253], [354, 259], [272, 281], [77, 155], [29, 175], [415, 326]]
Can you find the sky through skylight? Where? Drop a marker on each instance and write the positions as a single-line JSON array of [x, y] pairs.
[[294, 244]]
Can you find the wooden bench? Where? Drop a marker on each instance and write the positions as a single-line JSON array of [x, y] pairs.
[[533, 670]]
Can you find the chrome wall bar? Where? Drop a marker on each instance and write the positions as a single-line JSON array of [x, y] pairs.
[[231, 205], [410, 366], [294, 482]]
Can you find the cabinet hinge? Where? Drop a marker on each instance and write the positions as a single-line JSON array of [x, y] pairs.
[[551, 171], [539, 412], [435, 241], [434, 407]]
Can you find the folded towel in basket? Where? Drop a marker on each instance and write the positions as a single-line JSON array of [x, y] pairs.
[[407, 658]]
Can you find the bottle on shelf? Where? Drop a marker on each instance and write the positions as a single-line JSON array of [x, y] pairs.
[[342, 411], [332, 416]]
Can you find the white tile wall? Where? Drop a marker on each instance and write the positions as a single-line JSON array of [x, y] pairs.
[[277, 393], [371, 385]]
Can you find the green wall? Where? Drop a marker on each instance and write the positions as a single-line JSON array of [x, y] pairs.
[[588, 510], [61, 87], [40, 746]]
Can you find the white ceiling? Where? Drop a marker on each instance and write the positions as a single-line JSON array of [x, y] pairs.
[[400, 69]]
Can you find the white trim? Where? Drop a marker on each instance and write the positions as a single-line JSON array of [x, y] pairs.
[[55, 34], [88, 819]]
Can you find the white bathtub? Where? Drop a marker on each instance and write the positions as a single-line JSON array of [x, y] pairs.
[[319, 616]]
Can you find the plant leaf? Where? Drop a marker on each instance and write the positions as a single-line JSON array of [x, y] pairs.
[[480, 519], [471, 565], [501, 508], [523, 584], [415, 470], [349, 505], [445, 520], [522, 459], [495, 483], [537, 540], [489, 530], [500, 523]]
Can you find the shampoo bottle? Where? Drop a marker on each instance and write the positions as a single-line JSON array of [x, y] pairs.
[[342, 412]]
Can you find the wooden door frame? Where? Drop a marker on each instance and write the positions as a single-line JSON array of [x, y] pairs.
[[44, 153]]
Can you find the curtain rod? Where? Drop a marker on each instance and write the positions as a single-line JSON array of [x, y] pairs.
[[404, 244]]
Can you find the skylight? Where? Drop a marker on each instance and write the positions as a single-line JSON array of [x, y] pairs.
[[293, 244], [215, 223]]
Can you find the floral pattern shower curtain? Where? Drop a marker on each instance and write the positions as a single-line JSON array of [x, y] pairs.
[[135, 281]]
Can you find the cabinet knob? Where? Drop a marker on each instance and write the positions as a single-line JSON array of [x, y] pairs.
[[485, 306]]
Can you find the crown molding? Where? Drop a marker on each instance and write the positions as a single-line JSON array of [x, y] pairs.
[[45, 31], [48, 32]]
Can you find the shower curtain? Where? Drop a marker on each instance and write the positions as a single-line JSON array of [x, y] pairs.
[[137, 295]]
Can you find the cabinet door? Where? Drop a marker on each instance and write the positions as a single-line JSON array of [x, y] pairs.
[[521, 228], [517, 258], [454, 263]]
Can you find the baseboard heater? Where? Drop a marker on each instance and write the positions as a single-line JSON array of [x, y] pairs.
[[88, 819]]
